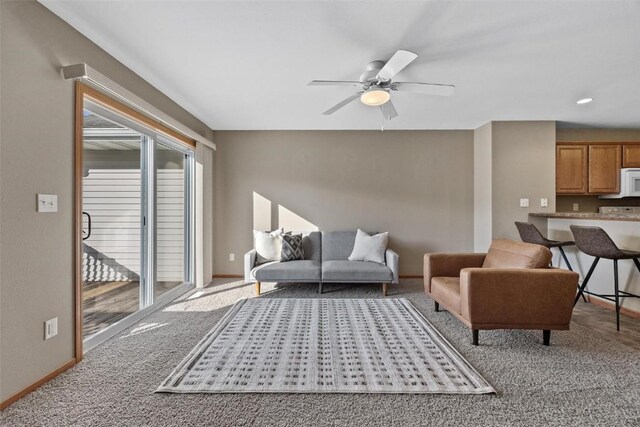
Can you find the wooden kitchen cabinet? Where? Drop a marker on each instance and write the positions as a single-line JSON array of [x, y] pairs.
[[631, 156], [571, 169], [605, 162]]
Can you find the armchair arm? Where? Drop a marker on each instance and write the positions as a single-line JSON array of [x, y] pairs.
[[393, 259], [509, 297], [448, 265], [249, 263]]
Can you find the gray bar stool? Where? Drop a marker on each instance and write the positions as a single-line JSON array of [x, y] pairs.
[[596, 242], [529, 233]]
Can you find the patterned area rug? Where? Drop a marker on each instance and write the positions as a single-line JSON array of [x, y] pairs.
[[324, 346]]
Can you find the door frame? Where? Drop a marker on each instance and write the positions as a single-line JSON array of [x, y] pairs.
[[82, 92]]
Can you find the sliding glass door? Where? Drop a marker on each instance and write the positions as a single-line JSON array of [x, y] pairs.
[[172, 191], [137, 227], [112, 222]]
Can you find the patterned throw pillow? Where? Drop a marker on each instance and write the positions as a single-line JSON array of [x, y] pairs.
[[291, 247]]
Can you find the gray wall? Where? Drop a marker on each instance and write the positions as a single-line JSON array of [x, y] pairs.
[[523, 166], [482, 187], [418, 185], [37, 157], [513, 160]]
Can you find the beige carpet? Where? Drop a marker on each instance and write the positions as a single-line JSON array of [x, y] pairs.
[[583, 379]]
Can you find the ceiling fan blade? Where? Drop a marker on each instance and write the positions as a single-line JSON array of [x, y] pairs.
[[424, 88], [334, 83], [388, 110], [398, 61], [342, 103]]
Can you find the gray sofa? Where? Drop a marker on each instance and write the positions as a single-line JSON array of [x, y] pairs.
[[326, 260]]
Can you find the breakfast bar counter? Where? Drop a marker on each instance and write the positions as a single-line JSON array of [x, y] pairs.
[[589, 215], [624, 230]]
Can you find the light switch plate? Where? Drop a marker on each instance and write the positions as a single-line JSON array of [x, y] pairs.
[[544, 203], [576, 207], [524, 203], [47, 203], [232, 257]]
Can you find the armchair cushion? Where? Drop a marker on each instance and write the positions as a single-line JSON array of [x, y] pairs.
[[446, 290], [510, 254], [448, 265]]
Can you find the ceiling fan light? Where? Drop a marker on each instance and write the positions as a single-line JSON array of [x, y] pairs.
[[375, 96]]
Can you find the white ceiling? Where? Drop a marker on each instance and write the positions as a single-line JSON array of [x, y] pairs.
[[246, 65]]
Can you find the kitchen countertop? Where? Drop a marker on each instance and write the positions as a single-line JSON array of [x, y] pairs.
[[588, 215]]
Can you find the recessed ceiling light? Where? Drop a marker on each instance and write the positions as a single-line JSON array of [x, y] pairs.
[[584, 101]]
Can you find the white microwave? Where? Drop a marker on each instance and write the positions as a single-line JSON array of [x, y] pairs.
[[629, 184]]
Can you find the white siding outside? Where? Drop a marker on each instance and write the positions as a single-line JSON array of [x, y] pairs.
[[112, 198]]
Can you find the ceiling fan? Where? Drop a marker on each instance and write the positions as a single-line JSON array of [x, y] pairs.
[[376, 85]]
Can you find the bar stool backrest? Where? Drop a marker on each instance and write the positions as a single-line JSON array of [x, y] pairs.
[[529, 233], [595, 241]]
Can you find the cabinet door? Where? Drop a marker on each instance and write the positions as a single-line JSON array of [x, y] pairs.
[[571, 169], [605, 162], [631, 156]]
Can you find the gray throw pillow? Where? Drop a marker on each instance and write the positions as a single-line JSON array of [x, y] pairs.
[[369, 248], [291, 247]]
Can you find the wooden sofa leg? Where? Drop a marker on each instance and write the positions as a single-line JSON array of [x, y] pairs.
[[385, 289], [257, 289], [476, 334], [436, 305], [546, 336], [319, 287]]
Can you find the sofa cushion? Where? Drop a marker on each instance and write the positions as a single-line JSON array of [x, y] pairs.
[[369, 248], [355, 271], [337, 245], [510, 254], [290, 271], [446, 290], [312, 245]]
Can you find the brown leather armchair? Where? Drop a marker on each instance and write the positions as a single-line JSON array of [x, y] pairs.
[[510, 287]]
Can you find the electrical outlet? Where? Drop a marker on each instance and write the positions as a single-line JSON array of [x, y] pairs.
[[524, 203], [576, 207], [544, 203], [50, 328], [232, 257], [47, 203]]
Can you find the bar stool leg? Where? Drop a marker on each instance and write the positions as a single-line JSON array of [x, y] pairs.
[[568, 264], [586, 280], [615, 284], [564, 257], [637, 263]]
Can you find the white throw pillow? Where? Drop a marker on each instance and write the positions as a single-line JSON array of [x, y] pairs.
[[268, 245], [369, 248]]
